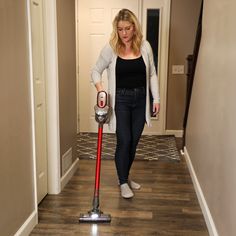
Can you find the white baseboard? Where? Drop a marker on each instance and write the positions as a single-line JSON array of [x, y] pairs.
[[29, 224], [202, 201], [69, 173], [176, 133]]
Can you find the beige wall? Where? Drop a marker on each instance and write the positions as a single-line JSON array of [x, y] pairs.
[[211, 126], [16, 177], [183, 25], [67, 74]]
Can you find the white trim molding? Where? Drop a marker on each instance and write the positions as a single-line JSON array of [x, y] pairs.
[[164, 61], [52, 96], [176, 133], [202, 201], [69, 173], [32, 117], [28, 225]]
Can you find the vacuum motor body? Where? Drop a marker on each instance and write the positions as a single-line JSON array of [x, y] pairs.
[[102, 110]]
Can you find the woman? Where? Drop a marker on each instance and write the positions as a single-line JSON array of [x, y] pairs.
[[128, 60]]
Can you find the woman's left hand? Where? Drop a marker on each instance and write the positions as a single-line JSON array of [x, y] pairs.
[[156, 108]]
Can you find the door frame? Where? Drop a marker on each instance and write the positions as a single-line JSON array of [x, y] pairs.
[[162, 64], [52, 97]]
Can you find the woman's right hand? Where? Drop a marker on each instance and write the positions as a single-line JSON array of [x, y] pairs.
[[99, 87]]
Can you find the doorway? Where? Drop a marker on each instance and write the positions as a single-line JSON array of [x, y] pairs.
[[94, 25]]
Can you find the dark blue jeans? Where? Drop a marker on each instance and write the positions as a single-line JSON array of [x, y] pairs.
[[130, 109]]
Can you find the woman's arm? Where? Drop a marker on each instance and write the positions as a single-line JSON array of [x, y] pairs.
[[102, 63], [154, 87]]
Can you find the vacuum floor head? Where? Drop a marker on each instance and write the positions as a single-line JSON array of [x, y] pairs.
[[94, 217]]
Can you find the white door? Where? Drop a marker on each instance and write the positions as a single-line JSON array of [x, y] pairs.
[[94, 29], [39, 97]]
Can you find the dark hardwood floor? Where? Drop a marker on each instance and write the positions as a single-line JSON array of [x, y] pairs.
[[165, 205]]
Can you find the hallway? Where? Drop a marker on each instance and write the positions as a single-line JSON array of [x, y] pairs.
[[165, 205], [209, 150]]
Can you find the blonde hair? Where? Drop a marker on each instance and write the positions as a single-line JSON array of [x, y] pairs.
[[115, 41]]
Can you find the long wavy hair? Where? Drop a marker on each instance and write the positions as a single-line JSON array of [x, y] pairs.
[[115, 41]]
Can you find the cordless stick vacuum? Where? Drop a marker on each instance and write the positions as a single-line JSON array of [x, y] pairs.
[[101, 116]]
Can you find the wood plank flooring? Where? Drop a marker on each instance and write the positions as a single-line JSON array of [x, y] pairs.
[[166, 204]]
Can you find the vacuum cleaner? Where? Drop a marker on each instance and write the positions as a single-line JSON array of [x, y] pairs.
[[102, 112]]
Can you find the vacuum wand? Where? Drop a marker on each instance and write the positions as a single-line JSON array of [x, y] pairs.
[[102, 111]]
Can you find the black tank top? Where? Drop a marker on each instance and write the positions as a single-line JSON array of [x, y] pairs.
[[130, 73]]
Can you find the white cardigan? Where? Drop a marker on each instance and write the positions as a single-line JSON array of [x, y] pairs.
[[107, 60]]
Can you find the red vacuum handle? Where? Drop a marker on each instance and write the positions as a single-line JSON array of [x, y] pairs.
[[101, 103], [98, 162]]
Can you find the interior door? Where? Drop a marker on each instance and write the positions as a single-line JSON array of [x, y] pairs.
[[39, 97], [94, 29]]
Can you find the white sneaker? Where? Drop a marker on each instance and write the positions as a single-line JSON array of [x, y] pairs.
[[126, 192], [134, 185]]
